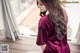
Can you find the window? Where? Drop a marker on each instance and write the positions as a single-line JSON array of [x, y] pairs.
[[21, 8], [73, 10]]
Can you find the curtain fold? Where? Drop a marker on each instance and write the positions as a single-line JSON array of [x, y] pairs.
[[78, 35], [10, 26]]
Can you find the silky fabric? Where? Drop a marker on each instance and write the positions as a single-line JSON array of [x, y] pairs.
[[47, 35]]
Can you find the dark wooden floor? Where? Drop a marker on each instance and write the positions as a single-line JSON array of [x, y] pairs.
[[26, 44]]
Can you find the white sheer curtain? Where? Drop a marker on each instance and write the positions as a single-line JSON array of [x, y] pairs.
[[78, 35], [11, 30]]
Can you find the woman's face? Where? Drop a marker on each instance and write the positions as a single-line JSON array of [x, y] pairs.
[[41, 6]]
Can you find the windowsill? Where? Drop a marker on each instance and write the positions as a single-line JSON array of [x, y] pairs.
[[73, 41], [26, 32]]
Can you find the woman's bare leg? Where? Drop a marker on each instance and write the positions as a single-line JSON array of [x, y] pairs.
[[43, 47]]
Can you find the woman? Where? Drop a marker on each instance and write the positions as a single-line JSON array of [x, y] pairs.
[[52, 28]]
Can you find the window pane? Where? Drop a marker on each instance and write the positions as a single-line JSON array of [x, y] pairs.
[[20, 6]]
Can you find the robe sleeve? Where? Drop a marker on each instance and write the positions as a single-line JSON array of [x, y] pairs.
[[42, 35]]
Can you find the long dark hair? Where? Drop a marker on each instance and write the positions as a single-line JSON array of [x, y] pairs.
[[56, 16]]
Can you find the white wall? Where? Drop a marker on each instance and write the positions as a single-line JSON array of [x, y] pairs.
[[1, 20]]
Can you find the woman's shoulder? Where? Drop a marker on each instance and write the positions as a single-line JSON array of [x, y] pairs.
[[44, 18], [43, 21]]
